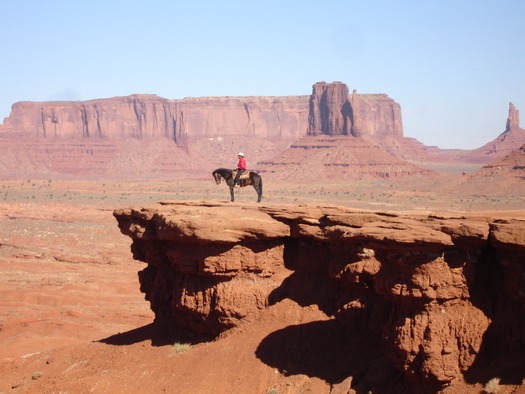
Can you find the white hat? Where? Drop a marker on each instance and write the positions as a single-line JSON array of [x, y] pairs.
[[241, 154]]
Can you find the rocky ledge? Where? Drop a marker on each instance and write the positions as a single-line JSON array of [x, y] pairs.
[[444, 294]]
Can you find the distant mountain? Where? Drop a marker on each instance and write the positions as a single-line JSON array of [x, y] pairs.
[[329, 133]]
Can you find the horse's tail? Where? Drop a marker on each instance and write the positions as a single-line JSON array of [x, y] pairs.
[[257, 181]]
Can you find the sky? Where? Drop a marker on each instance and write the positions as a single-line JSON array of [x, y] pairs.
[[452, 65]]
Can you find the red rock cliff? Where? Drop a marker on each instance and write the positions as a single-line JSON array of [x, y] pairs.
[[444, 295], [329, 110], [267, 117], [137, 116], [334, 112], [513, 121], [153, 117], [145, 135]]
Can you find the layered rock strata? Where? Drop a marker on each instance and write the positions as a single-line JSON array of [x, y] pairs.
[[334, 112], [153, 117], [211, 128], [94, 159], [329, 110], [505, 177], [118, 118], [336, 158], [444, 294], [84, 138]]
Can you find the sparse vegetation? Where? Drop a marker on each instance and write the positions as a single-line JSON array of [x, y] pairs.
[[179, 348], [492, 386], [37, 375]]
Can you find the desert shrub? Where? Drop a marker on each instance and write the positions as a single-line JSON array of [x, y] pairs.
[[180, 347], [492, 386], [37, 375]]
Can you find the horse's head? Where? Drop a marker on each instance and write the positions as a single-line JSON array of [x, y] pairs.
[[217, 177]]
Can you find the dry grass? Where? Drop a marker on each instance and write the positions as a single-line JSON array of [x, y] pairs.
[[179, 348], [492, 386]]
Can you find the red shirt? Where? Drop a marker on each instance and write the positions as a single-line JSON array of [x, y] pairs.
[[242, 164]]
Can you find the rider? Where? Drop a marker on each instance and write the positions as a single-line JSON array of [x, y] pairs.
[[241, 167]]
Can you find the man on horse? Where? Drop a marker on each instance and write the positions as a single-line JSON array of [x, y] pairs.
[[252, 178], [241, 167]]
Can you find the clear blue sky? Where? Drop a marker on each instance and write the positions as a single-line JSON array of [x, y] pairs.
[[453, 65]]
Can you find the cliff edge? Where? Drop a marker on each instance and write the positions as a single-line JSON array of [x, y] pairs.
[[438, 299]]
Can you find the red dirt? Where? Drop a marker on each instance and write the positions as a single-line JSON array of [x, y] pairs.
[[73, 319]]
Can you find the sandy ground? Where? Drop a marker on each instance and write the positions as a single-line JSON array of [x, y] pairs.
[[72, 318]]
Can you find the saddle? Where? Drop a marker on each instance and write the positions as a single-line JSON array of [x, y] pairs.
[[244, 180]]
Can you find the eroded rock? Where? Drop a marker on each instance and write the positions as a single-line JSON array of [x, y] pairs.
[[441, 292]]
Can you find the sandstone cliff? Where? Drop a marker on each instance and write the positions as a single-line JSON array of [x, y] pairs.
[[145, 135], [98, 137], [444, 295], [329, 110], [334, 112], [513, 121], [136, 116], [268, 117], [153, 117]]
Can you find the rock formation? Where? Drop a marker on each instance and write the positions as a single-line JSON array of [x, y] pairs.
[[118, 118], [458, 160], [511, 139], [84, 138], [444, 294], [512, 165], [151, 117], [513, 121], [266, 117], [329, 110], [334, 112], [504, 177], [336, 158], [145, 135]]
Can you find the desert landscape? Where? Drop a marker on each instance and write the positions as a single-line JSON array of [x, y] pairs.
[[108, 206]]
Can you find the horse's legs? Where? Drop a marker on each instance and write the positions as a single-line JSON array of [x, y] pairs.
[[232, 193], [258, 189]]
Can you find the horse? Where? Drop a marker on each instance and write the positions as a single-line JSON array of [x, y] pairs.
[[251, 178]]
